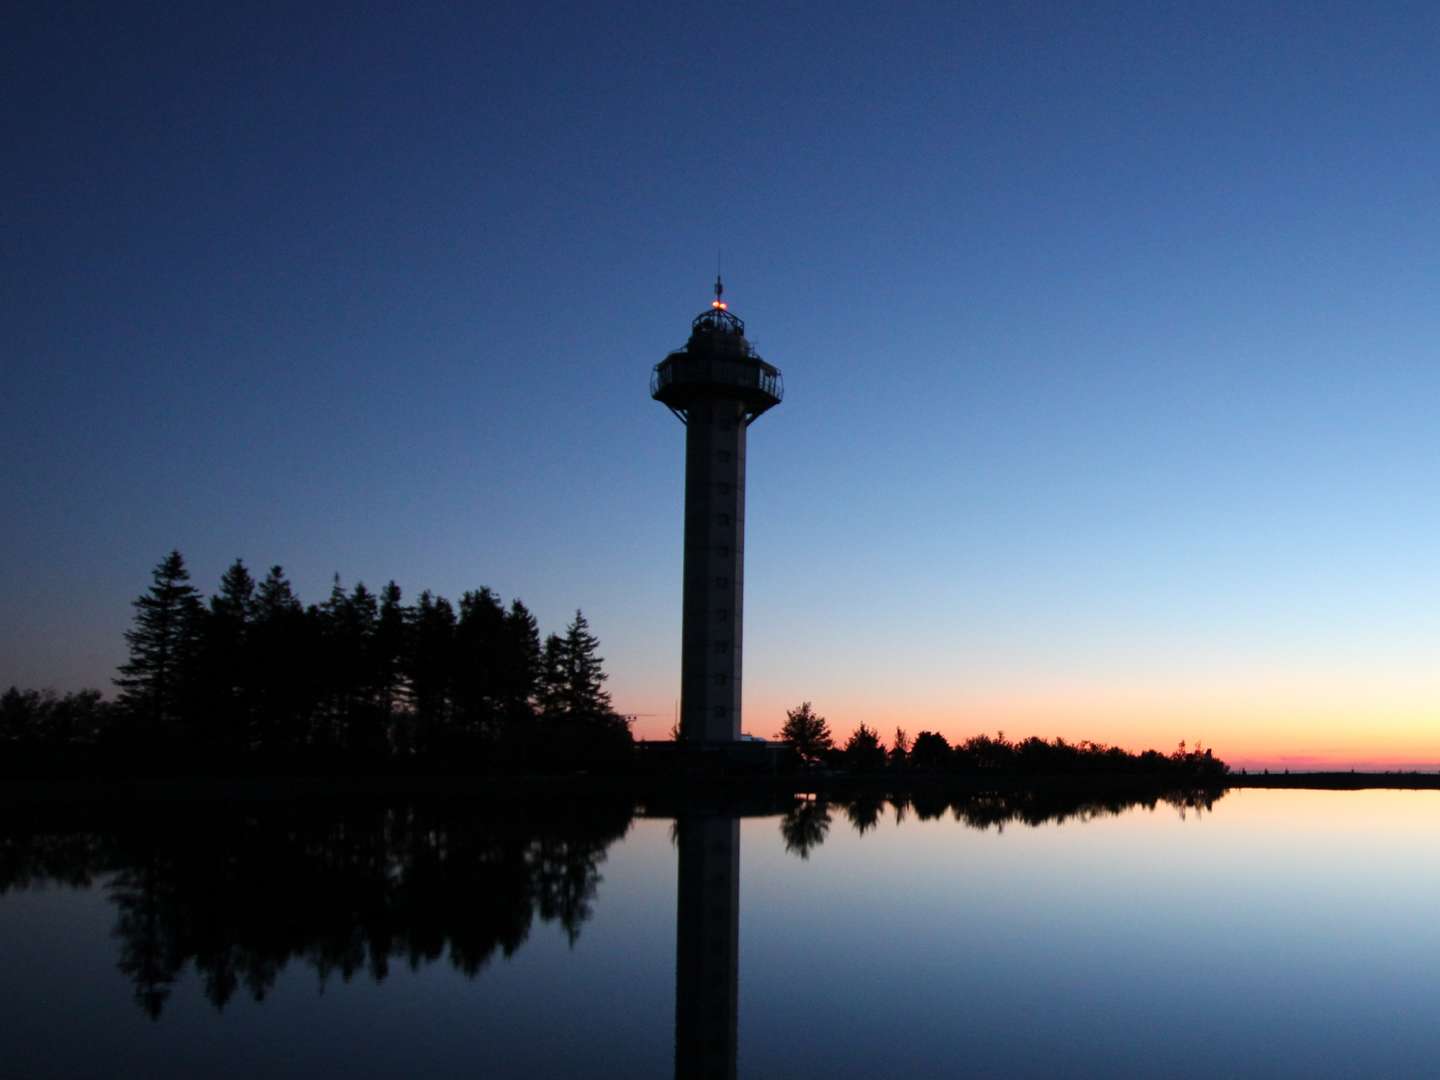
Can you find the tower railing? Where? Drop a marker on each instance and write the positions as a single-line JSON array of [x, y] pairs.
[[681, 369]]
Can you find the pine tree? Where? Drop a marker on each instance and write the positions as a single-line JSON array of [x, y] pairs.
[[432, 647], [572, 676], [580, 724], [345, 626], [157, 682], [584, 696], [517, 687], [282, 653], [228, 664], [479, 644], [520, 668], [388, 656], [551, 686]]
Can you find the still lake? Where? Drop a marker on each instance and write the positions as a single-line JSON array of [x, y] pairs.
[[1266, 933]]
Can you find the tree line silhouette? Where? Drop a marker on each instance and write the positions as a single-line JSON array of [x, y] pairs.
[[808, 734], [254, 678]]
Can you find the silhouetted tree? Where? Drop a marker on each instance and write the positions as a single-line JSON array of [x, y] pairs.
[[930, 751], [864, 751], [431, 668], [582, 727], [388, 657], [354, 696], [807, 732], [157, 681], [282, 655], [550, 692], [227, 665], [985, 753], [900, 749], [518, 670], [519, 664], [345, 627], [479, 654], [578, 691]]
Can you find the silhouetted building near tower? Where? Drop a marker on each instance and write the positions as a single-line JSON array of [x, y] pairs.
[[717, 385]]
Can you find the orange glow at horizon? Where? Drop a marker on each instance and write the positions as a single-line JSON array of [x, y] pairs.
[[1261, 729]]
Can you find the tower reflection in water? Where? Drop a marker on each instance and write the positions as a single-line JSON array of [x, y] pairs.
[[707, 946]]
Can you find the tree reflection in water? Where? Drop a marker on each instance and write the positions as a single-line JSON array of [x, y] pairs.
[[805, 825], [240, 893]]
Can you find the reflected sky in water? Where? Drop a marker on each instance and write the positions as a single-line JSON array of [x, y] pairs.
[[1281, 933], [1277, 933]]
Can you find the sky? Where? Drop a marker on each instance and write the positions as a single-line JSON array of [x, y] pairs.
[[1108, 334]]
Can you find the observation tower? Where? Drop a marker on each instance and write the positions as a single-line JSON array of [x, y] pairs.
[[718, 386]]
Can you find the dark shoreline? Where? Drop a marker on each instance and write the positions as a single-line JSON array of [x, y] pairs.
[[666, 789], [1337, 781]]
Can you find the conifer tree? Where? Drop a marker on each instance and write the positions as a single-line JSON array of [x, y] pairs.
[[551, 687], [479, 646], [388, 655], [432, 646], [281, 641], [520, 666], [227, 662], [345, 626], [582, 694], [158, 680]]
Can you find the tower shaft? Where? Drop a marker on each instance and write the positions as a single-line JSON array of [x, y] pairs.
[[713, 613]]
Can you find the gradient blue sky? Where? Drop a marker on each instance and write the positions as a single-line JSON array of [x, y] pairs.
[[1108, 333]]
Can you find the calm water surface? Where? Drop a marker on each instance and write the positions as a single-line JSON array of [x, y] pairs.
[[1274, 933]]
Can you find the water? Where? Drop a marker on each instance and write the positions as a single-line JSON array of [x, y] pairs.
[[1274, 933]]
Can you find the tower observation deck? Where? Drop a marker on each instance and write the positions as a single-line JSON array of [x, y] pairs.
[[718, 386]]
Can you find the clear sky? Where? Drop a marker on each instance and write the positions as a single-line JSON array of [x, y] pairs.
[[1109, 336]]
